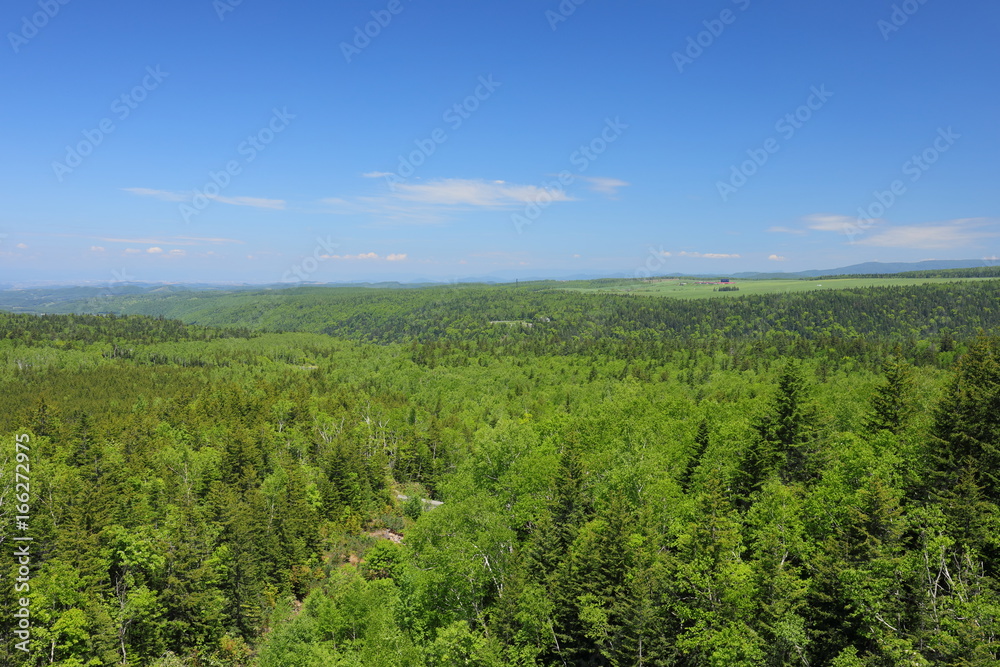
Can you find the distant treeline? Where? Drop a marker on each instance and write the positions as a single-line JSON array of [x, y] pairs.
[[71, 328], [978, 272], [570, 322]]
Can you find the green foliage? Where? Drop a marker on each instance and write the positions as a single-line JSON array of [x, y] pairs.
[[456, 644], [413, 507], [892, 402], [383, 561], [350, 621], [470, 320], [965, 440], [611, 486], [785, 437]]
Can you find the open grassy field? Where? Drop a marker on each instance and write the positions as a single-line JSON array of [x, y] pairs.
[[687, 288]]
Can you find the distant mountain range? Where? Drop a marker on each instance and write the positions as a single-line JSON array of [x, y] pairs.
[[878, 267]]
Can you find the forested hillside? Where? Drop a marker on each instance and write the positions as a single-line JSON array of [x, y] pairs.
[[972, 272], [542, 317], [791, 480]]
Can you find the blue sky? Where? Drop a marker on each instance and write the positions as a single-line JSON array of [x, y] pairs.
[[254, 141]]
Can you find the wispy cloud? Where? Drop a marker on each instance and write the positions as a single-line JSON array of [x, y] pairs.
[[201, 240], [159, 240], [708, 255], [477, 193], [940, 236], [168, 240], [167, 195], [604, 185], [164, 195], [255, 202], [834, 223], [436, 201], [777, 258], [392, 257], [931, 236], [786, 230], [155, 246]]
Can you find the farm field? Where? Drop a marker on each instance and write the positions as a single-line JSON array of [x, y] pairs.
[[691, 289]]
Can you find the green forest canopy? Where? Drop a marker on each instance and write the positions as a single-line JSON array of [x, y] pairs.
[[775, 480]]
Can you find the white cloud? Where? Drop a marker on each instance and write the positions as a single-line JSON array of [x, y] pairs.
[[22, 246], [96, 248], [171, 240], [942, 236], [196, 240], [934, 236], [363, 255], [396, 257], [377, 174], [132, 251], [836, 223], [467, 192], [154, 250], [435, 201], [777, 258], [604, 185], [176, 252], [165, 240], [166, 195], [785, 230], [255, 202], [708, 255]]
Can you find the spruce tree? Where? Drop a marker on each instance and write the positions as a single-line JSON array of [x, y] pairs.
[[890, 407], [962, 474], [701, 441], [785, 437], [966, 433]]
